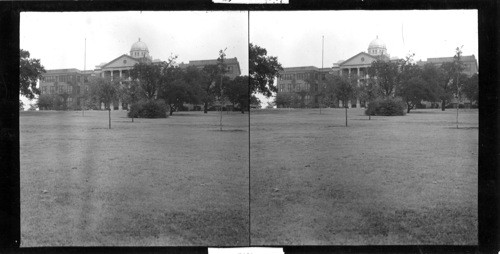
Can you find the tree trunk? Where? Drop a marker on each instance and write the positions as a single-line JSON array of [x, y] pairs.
[[457, 114], [220, 122], [205, 107], [109, 114], [346, 116], [443, 106]]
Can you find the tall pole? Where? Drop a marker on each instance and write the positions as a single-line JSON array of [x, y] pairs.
[[320, 73], [84, 69]]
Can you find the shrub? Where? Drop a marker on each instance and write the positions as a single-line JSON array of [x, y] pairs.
[[386, 107], [148, 109]]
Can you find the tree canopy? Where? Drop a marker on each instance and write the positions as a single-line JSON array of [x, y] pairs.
[[30, 71], [387, 75], [263, 69]]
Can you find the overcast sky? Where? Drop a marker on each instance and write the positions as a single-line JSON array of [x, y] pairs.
[[58, 39], [296, 37]]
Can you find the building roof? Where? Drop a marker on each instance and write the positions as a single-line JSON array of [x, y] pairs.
[[139, 46], [61, 71], [300, 68], [377, 43], [209, 62], [450, 59]]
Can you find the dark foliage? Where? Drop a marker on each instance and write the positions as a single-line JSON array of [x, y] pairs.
[[388, 106], [148, 109]]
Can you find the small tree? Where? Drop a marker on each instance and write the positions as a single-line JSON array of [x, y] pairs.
[[344, 90], [106, 91], [368, 91], [222, 70]]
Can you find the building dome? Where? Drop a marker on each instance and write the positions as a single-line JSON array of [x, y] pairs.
[[139, 50], [377, 47]]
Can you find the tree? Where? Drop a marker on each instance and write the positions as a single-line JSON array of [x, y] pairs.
[[263, 70], [105, 91], [237, 92], [150, 76], [415, 90], [471, 88], [386, 73], [450, 76], [222, 70], [368, 91], [21, 105], [287, 100], [210, 75], [131, 93], [30, 71], [344, 90], [412, 88]]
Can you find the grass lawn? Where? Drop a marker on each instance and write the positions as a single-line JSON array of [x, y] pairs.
[[390, 180], [171, 182]]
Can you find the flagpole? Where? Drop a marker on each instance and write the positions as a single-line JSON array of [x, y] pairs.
[[84, 69], [321, 72]]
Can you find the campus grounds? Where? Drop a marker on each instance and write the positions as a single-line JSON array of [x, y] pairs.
[[389, 180], [171, 182], [180, 182]]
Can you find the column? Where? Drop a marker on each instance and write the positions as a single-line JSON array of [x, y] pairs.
[[349, 72], [120, 104], [111, 74], [358, 103]]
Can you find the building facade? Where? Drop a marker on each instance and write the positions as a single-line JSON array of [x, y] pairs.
[[69, 85], [295, 79]]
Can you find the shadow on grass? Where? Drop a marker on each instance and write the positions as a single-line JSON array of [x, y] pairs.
[[463, 128], [229, 130]]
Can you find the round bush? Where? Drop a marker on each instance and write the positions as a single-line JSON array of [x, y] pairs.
[[148, 109], [386, 107]]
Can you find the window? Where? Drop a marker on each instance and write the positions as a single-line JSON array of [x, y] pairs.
[[51, 89], [70, 89], [70, 99], [61, 89]]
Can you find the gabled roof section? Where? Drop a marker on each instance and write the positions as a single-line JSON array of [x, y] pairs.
[[352, 60], [132, 63]]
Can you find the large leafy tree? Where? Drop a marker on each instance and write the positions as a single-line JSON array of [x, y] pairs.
[[178, 88], [412, 88], [263, 69], [237, 92], [106, 91], [30, 71], [386, 73], [471, 88]]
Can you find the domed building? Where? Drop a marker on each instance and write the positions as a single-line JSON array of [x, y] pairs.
[[377, 48], [140, 50]]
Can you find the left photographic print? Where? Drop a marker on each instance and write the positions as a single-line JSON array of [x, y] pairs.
[[134, 129]]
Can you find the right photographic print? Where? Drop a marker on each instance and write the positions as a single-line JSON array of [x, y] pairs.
[[368, 128]]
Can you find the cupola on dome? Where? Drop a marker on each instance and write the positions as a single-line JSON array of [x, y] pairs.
[[139, 50], [377, 47], [139, 45]]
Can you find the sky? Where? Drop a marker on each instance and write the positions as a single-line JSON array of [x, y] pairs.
[[58, 39], [295, 37]]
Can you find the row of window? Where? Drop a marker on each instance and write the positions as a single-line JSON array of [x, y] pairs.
[[301, 76], [60, 89], [63, 78], [294, 88]]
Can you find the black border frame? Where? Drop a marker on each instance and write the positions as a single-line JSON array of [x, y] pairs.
[[489, 191]]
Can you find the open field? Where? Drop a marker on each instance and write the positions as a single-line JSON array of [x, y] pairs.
[[171, 182], [391, 180]]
